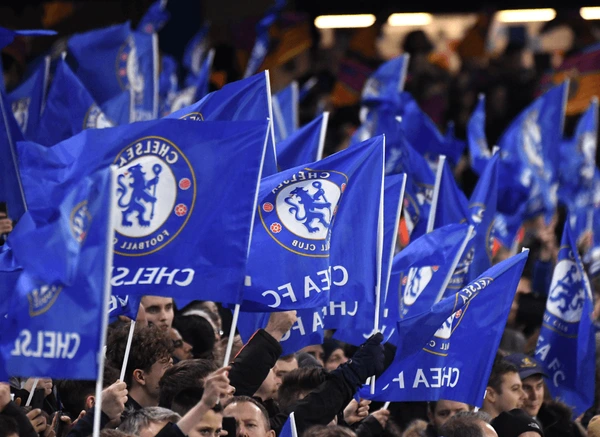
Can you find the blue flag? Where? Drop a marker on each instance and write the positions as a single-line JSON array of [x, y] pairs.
[[155, 17], [121, 108], [181, 231], [70, 108], [123, 306], [452, 204], [28, 99], [566, 346], [479, 150], [299, 212], [168, 81], [203, 81], [289, 427], [194, 53], [285, 109], [37, 338], [11, 189], [304, 145], [386, 83], [436, 349]]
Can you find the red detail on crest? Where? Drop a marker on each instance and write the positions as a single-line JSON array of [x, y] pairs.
[[122, 72], [343, 187], [82, 237], [149, 28], [267, 207], [435, 268], [458, 313], [181, 210], [335, 210], [404, 280], [124, 56], [185, 183], [275, 228]]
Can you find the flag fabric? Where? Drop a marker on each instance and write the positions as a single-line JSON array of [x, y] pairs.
[[123, 306], [155, 18], [305, 145], [7, 36], [168, 81], [566, 347], [182, 231], [194, 53], [203, 80], [37, 338], [452, 204], [28, 99], [121, 108], [70, 108], [11, 188], [386, 83], [285, 109], [479, 150], [299, 212], [435, 349]]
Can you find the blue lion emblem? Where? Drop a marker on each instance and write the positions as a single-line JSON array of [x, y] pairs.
[[140, 191], [559, 295], [311, 206]]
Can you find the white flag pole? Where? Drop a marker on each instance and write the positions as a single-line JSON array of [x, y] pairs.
[[455, 262], [436, 193], [33, 387]]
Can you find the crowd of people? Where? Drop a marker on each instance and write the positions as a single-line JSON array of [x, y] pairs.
[[176, 384]]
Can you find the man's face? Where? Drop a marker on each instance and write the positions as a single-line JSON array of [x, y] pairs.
[[250, 421], [283, 367], [181, 349], [316, 351], [444, 410], [209, 426], [268, 388], [512, 395], [153, 376], [533, 386], [336, 359], [158, 311]]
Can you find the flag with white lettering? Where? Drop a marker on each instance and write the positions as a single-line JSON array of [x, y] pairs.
[[299, 212], [70, 108], [53, 322], [303, 145], [123, 306], [285, 109], [436, 349], [566, 347], [185, 198]]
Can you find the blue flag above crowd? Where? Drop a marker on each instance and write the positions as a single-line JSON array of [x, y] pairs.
[[386, 83], [566, 346], [194, 54], [37, 338], [169, 239], [435, 349], [303, 145], [285, 110], [155, 18], [300, 210]]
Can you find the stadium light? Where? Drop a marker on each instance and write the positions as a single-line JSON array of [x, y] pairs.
[[344, 21]]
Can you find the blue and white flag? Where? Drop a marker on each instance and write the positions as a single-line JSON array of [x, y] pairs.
[[155, 18], [479, 150], [357, 326], [121, 108], [386, 83], [285, 109], [194, 53], [304, 145], [181, 231], [289, 427], [114, 59], [127, 306], [70, 108], [436, 349], [11, 188], [28, 99], [566, 347], [299, 212], [37, 338], [203, 81], [168, 81], [452, 205]]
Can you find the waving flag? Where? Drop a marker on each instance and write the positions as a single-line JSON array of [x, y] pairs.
[[479, 150], [285, 109], [304, 145], [435, 349], [69, 109], [194, 53], [452, 204], [169, 240], [168, 82], [37, 338], [121, 108], [566, 346], [28, 99], [386, 83], [300, 211], [127, 306], [155, 18]]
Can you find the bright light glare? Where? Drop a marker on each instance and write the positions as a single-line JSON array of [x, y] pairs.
[[525, 15], [344, 21], [410, 19]]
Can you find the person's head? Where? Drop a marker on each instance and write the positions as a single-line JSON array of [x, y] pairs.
[[468, 424], [299, 383], [504, 389], [316, 350], [188, 373], [181, 349], [108, 432], [251, 418], [8, 427], [198, 332], [285, 365], [147, 422], [210, 308], [159, 311], [516, 423], [333, 354], [149, 358], [328, 431], [269, 386], [440, 411], [532, 378], [209, 425]]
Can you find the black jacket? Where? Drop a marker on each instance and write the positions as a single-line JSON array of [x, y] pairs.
[[18, 414]]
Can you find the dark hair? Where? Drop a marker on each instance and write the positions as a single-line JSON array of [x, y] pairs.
[[500, 368], [288, 357], [198, 332], [184, 374], [72, 393], [8, 426], [304, 379], [149, 345], [249, 400], [328, 431], [187, 398], [465, 424]]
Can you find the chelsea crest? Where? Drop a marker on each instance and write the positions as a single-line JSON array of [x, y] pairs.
[[156, 191]]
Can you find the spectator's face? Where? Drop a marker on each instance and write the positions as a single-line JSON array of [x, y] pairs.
[[250, 421], [533, 387], [152, 377], [158, 311], [283, 367], [512, 395], [181, 349], [316, 351], [152, 429], [444, 410], [209, 426], [336, 359]]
